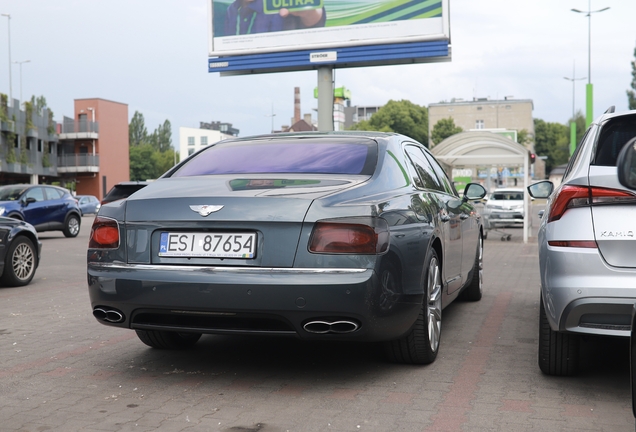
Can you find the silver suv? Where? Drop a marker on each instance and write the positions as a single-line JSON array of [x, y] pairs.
[[587, 247]]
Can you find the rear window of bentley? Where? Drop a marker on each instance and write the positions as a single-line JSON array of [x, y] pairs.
[[314, 157]]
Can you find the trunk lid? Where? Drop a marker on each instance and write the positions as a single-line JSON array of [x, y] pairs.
[[273, 208]]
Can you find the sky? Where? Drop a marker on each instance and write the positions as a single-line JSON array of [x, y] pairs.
[[152, 55]]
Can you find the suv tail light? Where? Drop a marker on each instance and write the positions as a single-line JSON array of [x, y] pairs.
[[361, 236], [104, 234], [584, 196]]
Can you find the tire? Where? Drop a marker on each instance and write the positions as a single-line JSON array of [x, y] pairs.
[[167, 339], [421, 344], [558, 351], [72, 226], [474, 291], [20, 262]]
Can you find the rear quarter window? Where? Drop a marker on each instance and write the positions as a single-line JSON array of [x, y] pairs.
[[612, 138]]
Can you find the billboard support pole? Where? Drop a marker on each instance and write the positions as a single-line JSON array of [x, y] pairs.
[[325, 98]]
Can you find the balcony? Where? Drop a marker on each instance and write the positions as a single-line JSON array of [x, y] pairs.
[[7, 126], [78, 163], [72, 130]]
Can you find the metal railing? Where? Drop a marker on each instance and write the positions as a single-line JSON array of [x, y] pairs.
[[72, 126], [77, 160]]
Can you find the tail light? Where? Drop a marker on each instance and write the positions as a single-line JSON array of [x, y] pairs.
[[584, 196], [361, 236], [104, 234]]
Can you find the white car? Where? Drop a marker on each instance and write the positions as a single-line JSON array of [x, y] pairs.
[[504, 207]]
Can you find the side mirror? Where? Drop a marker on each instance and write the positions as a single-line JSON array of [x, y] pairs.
[[28, 201], [626, 165], [541, 189], [474, 191]]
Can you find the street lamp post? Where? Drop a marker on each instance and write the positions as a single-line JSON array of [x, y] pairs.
[[573, 122], [589, 91], [20, 63], [10, 86]]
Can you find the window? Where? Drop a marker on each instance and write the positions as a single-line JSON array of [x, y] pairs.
[[424, 178], [313, 156], [204, 140], [613, 137], [36, 193], [52, 193], [190, 141], [190, 151], [480, 108], [479, 124], [442, 176]]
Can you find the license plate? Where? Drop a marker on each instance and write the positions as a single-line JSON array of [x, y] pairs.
[[210, 245]]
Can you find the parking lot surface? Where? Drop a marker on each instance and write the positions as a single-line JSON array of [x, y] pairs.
[[61, 370]]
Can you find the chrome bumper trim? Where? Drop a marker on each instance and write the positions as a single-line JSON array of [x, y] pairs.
[[212, 269]]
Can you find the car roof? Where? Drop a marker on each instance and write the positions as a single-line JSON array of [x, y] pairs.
[[348, 134], [610, 113]]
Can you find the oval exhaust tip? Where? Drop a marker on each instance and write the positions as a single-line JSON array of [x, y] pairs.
[[319, 327], [323, 327], [100, 314], [343, 327], [114, 316]]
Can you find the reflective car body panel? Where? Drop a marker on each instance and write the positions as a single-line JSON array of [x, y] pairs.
[[286, 282], [587, 254]]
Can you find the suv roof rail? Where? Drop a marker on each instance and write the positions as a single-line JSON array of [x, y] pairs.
[[610, 110]]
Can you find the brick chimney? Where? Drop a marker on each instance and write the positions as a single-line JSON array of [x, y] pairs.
[[296, 104]]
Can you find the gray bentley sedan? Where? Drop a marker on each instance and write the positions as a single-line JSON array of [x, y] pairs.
[[357, 236]]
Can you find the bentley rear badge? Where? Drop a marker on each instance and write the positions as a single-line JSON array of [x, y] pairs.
[[205, 210]]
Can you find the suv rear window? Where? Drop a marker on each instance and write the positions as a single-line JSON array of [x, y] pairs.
[[613, 137], [277, 157]]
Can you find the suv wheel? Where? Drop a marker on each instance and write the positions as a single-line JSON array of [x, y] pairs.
[[72, 226], [558, 351]]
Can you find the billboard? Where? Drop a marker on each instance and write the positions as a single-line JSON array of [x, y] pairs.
[[242, 27]]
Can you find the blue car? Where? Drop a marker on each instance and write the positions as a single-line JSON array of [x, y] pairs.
[[47, 208], [88, 204]]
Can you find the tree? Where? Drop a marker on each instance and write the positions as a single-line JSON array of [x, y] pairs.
[[631, 94], [137, 132], [443, 129], [38, 104], [142, 162], [524, 138], [552, 140], [161, 138], [164, 161], [402, 117]]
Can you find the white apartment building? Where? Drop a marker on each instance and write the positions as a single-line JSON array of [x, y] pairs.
[[192, 140]]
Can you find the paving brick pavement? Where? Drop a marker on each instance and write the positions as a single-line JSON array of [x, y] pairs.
[[62, 371]]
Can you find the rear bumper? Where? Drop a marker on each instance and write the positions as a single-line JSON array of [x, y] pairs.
[[583, 294], [238, 300]]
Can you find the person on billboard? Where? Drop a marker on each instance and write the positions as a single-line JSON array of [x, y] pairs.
[[249, 16]]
